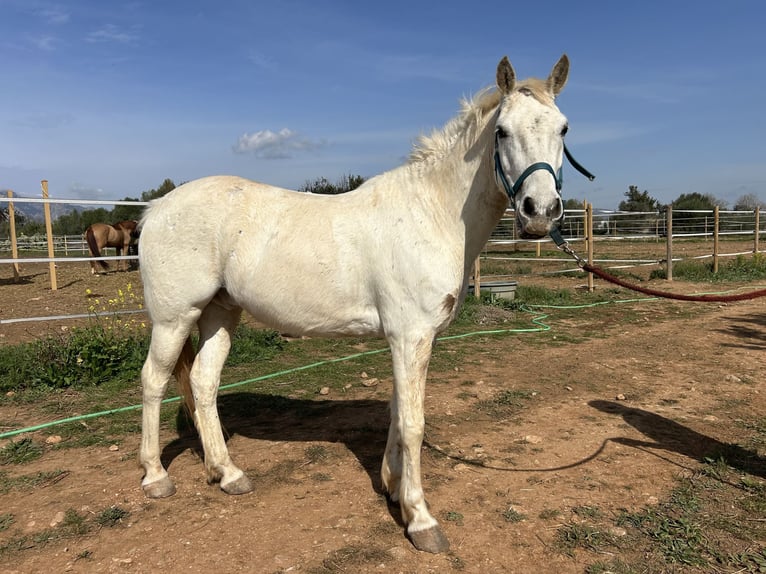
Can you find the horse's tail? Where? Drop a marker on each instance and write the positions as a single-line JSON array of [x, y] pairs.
[[90, 238], [182, 372]]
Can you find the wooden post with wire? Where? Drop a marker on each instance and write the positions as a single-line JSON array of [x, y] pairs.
[[477, 278], [669, 243], [14, 242], [589, 236], [49, 235], [716, 246], [757, 228]]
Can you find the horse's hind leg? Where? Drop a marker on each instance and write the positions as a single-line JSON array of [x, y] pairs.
[[216, 326], [166, 345]]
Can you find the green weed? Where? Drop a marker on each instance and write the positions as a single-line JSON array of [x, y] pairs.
[[20, 451], [572, 536], [111, 516], [742, 268]]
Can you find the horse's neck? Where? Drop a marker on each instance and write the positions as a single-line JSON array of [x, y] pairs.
[[466, 191]]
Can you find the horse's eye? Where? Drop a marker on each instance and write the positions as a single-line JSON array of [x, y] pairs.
[[564, 131], [500, 132]]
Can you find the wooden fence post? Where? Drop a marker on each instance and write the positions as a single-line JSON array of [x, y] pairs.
[[757, 228], [49, 234], [477, 278], [14, 243], [589, 235], [715, 239], [669, 243]]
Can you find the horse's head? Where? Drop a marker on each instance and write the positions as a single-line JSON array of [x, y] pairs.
[[529, 145]]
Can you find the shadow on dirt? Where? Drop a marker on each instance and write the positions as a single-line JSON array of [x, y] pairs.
[[750, 330], [21, 280], [361, 425], [670, 436]]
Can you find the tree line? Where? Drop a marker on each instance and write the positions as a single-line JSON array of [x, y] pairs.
[[685, 220], [76, 221]]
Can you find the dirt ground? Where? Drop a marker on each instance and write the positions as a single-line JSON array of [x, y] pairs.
[[614, 419]]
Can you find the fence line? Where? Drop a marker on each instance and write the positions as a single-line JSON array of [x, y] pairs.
[[603, 225], [592, 228]]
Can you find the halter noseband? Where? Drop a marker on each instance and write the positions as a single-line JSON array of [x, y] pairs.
[[558, 177]]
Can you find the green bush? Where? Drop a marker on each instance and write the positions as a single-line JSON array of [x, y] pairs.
[[84, 356], [741, 268], [102, 352]]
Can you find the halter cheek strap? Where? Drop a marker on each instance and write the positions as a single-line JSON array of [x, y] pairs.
[[558, 177]]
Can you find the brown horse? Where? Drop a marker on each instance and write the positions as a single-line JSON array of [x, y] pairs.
[[121, 236]]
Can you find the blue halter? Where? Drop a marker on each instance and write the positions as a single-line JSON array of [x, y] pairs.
[[558, 176]]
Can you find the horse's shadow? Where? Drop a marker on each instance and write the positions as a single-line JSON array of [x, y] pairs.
[[27, 279], [669, 435], [750, 330], [360, 424]]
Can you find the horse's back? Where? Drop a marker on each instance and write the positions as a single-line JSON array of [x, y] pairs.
[[288, 258]]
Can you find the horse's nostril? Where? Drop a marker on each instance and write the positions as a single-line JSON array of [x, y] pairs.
[[556, 212], [529, 208]]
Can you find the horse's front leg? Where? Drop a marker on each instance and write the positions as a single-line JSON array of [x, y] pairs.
[[401, 473]]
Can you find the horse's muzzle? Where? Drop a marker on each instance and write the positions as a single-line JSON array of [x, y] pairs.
[[535, 221]]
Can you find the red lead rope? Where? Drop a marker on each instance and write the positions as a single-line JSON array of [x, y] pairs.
[[667, 295], [566, 248]]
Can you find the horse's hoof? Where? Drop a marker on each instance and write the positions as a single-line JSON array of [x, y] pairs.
[[240, 486], [430, 540], [160, 489]]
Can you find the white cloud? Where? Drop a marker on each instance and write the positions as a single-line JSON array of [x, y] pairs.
[[111, 33], [45, 43], [267, 144], [599, 132], [55, 15]]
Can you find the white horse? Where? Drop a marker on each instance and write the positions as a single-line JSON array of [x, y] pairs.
[[391, 258]]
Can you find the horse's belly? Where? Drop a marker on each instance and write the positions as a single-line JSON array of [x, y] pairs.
[[319, 314]]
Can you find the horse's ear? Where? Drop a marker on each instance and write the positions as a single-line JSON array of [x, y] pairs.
[[506, 77], [559, 75]]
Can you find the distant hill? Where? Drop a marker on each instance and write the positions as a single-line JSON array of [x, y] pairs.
[[36, 211]]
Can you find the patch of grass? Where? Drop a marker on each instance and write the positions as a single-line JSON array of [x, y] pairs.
[[587, 511], [512, 515], [614, 566], [351, 559], [572, 536], [111, 516], [549, 514], [29, 481], [321, 477], [316, 453], [452, 516], [6, 520], [250, 345], [680, 539], [20, 451], [74, 524], [742, 268], [506, 402]]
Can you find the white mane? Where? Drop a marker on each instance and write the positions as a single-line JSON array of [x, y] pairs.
[[474, 113]]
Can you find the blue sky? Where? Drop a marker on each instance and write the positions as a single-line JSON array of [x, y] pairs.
[[107, 99]]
